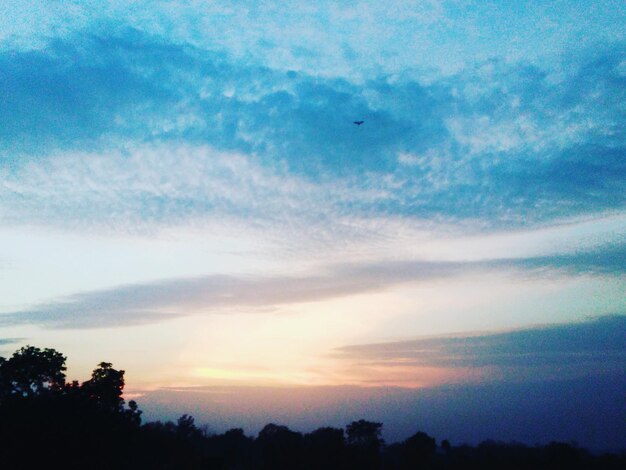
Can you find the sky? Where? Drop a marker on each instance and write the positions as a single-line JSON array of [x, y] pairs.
[[183, 193]]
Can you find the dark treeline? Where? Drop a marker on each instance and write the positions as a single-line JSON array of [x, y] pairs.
[[46, 422]]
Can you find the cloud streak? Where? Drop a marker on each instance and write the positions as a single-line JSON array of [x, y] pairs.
[[158, 301], [4, 341], [592, 346]]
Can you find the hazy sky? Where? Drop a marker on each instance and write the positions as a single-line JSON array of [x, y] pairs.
[[183, 193]]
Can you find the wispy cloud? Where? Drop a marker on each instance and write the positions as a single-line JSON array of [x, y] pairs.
[[4, 341], [552, 352], [153, 302], [163, 185], [167, 299]]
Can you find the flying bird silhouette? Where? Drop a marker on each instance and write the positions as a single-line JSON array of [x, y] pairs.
[[358, 123]]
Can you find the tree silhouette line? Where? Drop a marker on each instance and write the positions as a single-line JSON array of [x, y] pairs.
[[47, 422]]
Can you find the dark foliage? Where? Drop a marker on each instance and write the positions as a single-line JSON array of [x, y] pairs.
[[48, 423]]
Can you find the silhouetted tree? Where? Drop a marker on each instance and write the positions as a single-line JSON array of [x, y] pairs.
[[419, 450], [445, 446], [562, 455], [365, 442], [133, 413], [279, 446], [364, 434], [325, 448], [186, 427], [106, 386], [232, 450], [32, 371]]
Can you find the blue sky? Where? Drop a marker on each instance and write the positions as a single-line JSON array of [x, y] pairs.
[[183, 190]]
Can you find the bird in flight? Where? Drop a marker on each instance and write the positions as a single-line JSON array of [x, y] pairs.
[[358, 123]]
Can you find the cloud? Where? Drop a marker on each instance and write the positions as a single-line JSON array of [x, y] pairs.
[[4, 341], [609, 259], [158, 301], [77, 92], [356, 38], [552, 351], [499, 142], [149, 188], [167, 299]]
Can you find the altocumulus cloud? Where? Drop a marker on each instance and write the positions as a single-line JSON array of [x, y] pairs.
[[505, 143], [163, 185]]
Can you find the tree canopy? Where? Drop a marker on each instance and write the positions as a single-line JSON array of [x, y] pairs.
[[31, 371]]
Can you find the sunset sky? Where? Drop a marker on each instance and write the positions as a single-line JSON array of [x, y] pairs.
[[183, 193]]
